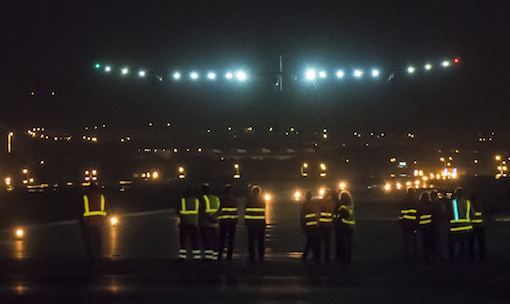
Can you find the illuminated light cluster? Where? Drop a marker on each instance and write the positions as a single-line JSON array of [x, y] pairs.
[[181, 172], [19, 233], [237, 171], [150, 175]]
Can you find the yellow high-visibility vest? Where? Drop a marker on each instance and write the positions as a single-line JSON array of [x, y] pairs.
[[311, 219], [86, 207], [185, 210], [228, 213], [255, 213], [189, 211], [461, 222], [408, 214]]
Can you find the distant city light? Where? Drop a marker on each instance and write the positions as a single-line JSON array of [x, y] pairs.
[[445, 63], [176, 75], [375, 73], [428, 67], [194, 75], [107, 69], [410, 70], [340, 74], [141, 73], [125, 71]]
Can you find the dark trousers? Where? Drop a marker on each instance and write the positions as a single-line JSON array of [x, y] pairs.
[[209, 237], [479, 239], [189, 234], [464, 240], [343, 241], [93, 237], [227, 234], [312, 243], [325, 231], [256, 236], [428, 243], [410, 243]]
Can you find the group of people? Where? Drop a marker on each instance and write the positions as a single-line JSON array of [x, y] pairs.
[[208, 223], [434, 228], [320, 217], [446, 228]]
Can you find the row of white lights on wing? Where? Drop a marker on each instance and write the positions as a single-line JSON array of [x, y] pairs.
[[312, 74], [239, 75]]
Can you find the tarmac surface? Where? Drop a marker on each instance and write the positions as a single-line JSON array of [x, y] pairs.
[[139, 266]]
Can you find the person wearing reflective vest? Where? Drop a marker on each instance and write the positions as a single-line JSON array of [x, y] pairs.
[[425, 226], [440, 225], [344, 224], [255, 222], [228, 222], [187, 209], [208, 222], [478, 228], [92, 222], [461, 227], [327, 209], [409, 222], [309, 220]]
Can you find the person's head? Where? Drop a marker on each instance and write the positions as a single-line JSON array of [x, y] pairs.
[[346, 198], [256, 190], [434, 195], [424, 198], [411, 193], [459, 193], [308, 195], [204, 189], [228, 189]]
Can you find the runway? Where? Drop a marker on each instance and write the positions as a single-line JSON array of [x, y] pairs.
[[48, 265]]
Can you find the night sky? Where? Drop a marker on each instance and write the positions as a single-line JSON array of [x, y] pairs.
[[52, 46]]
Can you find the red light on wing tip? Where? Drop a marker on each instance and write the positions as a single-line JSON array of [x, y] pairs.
[[456, 60]]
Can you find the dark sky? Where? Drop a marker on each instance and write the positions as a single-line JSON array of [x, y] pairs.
[[52, 46]]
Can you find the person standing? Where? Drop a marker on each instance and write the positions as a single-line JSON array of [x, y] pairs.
[[344, 224], [408, 220], [439, 226], [255, 221], [425, 226], [309, 219], [228, 221], [461, 228], [92, 222], [188, 225], [208, 222], [327, 209], [478, 228]]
